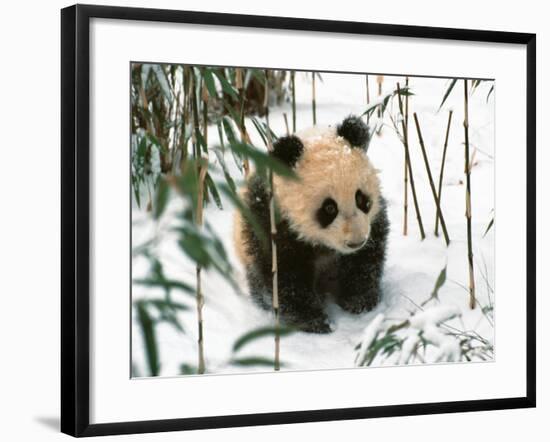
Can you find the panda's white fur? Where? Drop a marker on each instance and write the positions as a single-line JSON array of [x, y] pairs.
[[343, 254], [329, 167]]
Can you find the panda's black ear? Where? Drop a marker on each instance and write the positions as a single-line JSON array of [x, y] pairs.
[[288, 149], [355, 131]]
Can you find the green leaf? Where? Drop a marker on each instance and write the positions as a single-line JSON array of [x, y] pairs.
[[145, 69], [166, 284], [389, 341], [447, 92], [260, 333], [161, 198], [247, 214], [164, 304], [163, 81], [229, 132], [193, 246], [253, 361], [261, 127], [489, 227], [209, 82], [262, 160], [259, 74], [490, 92], [439, 283], [148, 330], [135, 187], [226, 86], [211, 186], [232, 139], [188, 369], [167, 310], [206, 250], [155, 142], [384, 101], [260, 130], [188, 182], [226, 173], [475, 84], [234, 114], [201, 141]]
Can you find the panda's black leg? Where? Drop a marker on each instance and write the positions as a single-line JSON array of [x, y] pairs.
[[359, 279], [258, 289], [359, 293], [299, 305], [359, 274]]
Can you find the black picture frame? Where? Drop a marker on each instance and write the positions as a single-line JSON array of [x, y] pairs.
[[75, 224]]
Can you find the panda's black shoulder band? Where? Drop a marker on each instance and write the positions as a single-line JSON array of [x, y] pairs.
[[355, 131], [288, 149]]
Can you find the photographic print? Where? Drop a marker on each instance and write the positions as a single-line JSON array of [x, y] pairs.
[[293, 220]]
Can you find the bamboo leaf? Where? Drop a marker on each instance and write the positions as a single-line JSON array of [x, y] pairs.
[[188, 369], [161, 198], [210, 83], [145, 69], [447, 92], [148, 330], [260, 333], [254, 361], [246, 213], [439, 282], [211, 186], [262, 160], [227, 175], [164, 283], [155, 142], [226, 86], [163, 81], [489, 227], [163, 304], [259, 74], [232, 139], [490, 92], [260, 130]]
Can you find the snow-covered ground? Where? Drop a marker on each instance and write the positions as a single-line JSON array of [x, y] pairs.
[[412, 265]]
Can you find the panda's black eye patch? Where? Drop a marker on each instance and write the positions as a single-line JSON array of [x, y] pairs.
[[362, 201], [327, 212]]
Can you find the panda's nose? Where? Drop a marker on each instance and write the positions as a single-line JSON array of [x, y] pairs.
[[355, 245]]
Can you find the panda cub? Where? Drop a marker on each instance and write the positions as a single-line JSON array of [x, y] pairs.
[[331, 229]]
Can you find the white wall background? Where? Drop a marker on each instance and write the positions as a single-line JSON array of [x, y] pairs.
[[29, 220]]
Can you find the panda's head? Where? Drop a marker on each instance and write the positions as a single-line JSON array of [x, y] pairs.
[[337, 195]]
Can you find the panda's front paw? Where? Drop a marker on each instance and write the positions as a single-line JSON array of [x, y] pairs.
[[319, 325], [359, 303]]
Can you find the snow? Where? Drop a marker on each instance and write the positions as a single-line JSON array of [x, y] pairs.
[[412, 265]]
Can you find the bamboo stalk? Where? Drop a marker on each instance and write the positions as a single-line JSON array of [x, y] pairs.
[[408, 162], [379, 81], [195, 115], [273, 225], [185, 116], [205, 112], [241, 123], [286, 123], [468, 199], [201, 369], [313, 104], [202, 170], [430, 179], [405, 168], [293, 82], [367, 87], [441, 170]]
